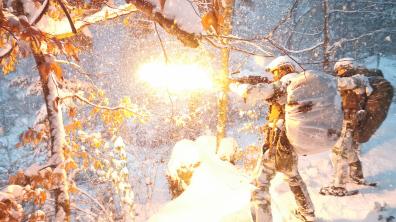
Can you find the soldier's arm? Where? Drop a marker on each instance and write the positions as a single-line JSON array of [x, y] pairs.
[[267, 91], [353, 82]]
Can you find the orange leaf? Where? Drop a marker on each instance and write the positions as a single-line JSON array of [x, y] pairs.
[[98, 165], [72, 112], [70, 165], [57, 70], [73, 188]]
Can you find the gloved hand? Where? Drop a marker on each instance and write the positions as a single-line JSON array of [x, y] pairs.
[[361, 115]]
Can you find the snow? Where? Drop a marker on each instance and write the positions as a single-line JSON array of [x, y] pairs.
[[282, 60], [41, 114], [61, 28], [56, 120], [13, 192], [5, 49], [184, 154], [228, 149], [218, 192], [187, 153], [33, 170], [183, 12]]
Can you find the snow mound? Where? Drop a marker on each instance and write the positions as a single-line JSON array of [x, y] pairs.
[[218, 192], [187, 155]]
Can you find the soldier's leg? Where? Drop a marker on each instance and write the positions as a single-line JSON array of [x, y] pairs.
[[300, 192], [261, 199], [287, 163], [355, 165], [339, 160]]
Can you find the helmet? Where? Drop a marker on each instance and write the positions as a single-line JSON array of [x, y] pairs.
[[283, 62], [346, 63]]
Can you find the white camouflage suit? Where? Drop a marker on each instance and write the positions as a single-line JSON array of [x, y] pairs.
[[279, 157], [345, 154]]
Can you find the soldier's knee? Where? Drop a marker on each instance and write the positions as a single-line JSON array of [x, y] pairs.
[[294, 180]]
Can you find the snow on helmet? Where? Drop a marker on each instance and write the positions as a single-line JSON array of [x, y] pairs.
[[346, 63], [283, 62]]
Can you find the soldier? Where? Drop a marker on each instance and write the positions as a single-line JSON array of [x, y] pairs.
[[345, 153], [279, 155]]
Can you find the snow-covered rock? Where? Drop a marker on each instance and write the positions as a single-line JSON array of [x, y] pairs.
[[187, 155], [217, 192]]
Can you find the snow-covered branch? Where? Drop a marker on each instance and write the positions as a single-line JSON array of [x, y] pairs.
[[303, 50], [175, 18], [62, 29], [6, 50]]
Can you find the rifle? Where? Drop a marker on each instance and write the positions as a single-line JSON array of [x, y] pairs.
[[252, 80]]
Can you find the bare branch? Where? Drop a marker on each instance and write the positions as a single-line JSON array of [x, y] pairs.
[[162, 44], [339, 43], [285, 18], [97, 202], [82, 99], [235, 48]]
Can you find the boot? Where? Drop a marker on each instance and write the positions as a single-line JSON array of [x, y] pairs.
[[356, 172], [306, 217], [333, 191], [261, 213], [305, 210]]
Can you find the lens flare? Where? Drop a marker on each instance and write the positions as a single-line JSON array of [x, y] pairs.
[[176, 77]]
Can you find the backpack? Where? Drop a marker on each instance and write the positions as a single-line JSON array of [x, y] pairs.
[[365, 71], [313, 112], [376, 107]]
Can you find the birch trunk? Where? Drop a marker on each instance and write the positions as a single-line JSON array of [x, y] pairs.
[[54, 110], [224, 10]]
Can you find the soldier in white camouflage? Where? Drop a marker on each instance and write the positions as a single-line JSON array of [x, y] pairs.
[[345, 154], [279, 154]]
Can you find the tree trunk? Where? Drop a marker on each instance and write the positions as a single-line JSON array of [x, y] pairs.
[[54, 110], [224, 11], [326, 36]]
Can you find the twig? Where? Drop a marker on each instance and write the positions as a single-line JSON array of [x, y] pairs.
[[285, 18], [84, 211], [97, 202], [38, 17], [162, 44], [247, 41], [82, 99], [73, 28]]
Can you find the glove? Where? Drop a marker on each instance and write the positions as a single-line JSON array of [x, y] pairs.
[[361, 115]]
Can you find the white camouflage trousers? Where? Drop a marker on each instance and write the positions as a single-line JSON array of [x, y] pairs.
[[261, 199], [345, 154]]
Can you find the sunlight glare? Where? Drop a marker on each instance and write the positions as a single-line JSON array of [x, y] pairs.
[[176, 77]]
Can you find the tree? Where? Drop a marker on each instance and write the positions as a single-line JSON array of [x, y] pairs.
[[21, 36]]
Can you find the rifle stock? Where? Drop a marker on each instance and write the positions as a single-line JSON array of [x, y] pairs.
[[252, 80]]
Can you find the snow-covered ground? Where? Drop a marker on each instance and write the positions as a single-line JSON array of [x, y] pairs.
[[371, 204]]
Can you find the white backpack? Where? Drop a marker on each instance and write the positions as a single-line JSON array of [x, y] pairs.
[[313, 114]]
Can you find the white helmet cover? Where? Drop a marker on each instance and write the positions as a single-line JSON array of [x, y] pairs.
[[347, 63], [281, 61]]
